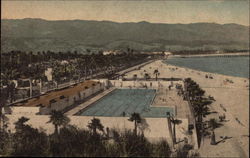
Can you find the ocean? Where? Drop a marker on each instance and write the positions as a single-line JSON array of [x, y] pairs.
[[237, 66]]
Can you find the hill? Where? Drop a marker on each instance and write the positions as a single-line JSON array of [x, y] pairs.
[[69, 35]]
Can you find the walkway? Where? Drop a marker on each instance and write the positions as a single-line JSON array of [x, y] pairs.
[[134, 67], [88, 102], [166, 97]]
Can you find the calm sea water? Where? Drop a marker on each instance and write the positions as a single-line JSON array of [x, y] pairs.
[[233, 66]]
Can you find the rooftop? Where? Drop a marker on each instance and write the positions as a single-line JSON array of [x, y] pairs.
[[56, 95]]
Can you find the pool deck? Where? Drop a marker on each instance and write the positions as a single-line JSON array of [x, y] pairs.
[[169, 98], [163, 98], [89, 102]]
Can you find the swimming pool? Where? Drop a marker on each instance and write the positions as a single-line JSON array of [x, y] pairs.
[[126, 101]]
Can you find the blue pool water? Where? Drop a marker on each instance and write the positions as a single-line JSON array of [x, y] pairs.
[[233, 66], [128, 101]]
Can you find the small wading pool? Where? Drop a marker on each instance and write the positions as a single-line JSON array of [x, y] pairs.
[[126, 101]]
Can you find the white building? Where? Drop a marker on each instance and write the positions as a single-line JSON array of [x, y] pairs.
[[48, 74], [56, 100]]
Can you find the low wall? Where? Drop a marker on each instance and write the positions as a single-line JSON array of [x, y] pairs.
[[24, 110], [157, 127], [141, 84]]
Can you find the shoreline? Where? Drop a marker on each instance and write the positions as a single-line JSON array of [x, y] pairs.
[[211, 55], [214, 55], [209, 73]]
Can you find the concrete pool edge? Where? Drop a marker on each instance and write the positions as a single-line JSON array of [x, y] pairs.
[[145, 109], [90, 101]]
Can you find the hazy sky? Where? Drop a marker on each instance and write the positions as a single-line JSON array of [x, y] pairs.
[[226, 11]]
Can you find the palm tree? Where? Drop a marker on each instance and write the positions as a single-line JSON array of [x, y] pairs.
[[175, 122], [94, 125], [213, 141], [198, 93], [57, 74], [172, 120], [57, 118], [7, 78], [146, 76], [31, 57], [195, 96], [34, 72], [134, 77], [213, 124], [136, 118], [80, 65], [156, 72], [193, 89], [11, 89], [201, 109], [21, 122]]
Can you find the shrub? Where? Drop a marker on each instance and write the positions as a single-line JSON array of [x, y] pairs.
[[161, 149]]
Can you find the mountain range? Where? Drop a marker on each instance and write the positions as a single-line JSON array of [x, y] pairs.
[[70, 35]]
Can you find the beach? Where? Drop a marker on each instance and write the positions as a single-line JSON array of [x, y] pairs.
[[231, 96]]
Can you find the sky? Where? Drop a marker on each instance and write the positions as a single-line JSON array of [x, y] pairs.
[[164, 11]]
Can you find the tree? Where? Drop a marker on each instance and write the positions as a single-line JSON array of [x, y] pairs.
[[146, 76], [80, 67], [199, 103], [143, 126], [213, 124], [172, 120], [133, 145], [134, 77], [3, 102], [136, 118], [156, 73], [175, 122], [162, 149], [28, 141], [94, 125], [73, 142], [201, 109], [183, 151], [19, 125], [34, 72], [57, 74], [7, 78], [57, 118]]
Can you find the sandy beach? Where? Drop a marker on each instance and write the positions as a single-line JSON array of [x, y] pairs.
[[232, 99]]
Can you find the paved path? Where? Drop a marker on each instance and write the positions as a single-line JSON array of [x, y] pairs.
[[88, 102], [134, 67]]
